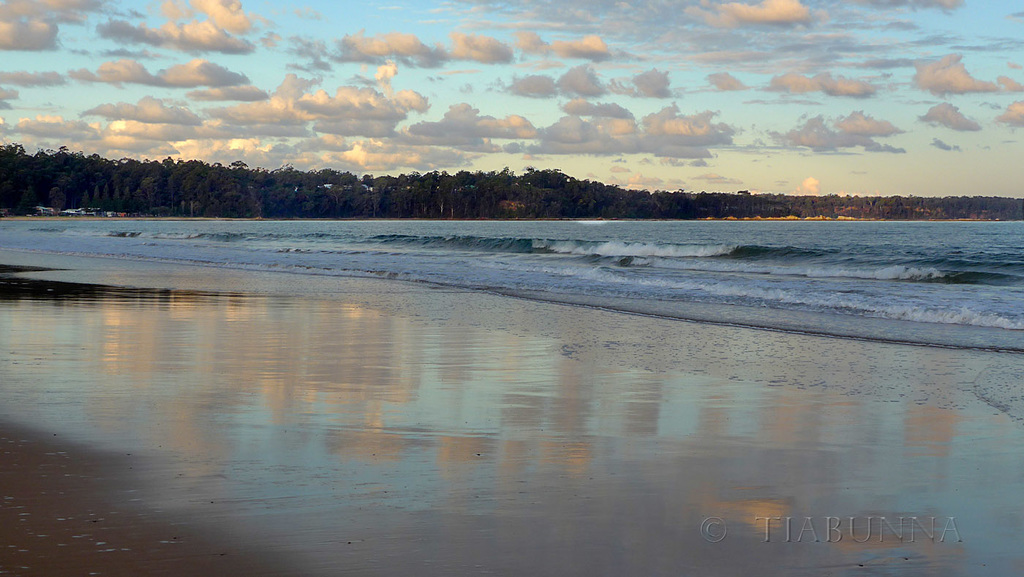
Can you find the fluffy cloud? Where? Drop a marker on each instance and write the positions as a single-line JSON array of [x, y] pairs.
[[725, 81], [1014, 115], [534, 86], [855, 130], [479, 48], [810, 186], [947, 115], [22, 34], [204, 36], [406, 48], [768, 12], [859, 124], [226, 14], [7, 95], [1009, 84], [587, 48], [943, 4], [190, 75], [581, 81], [409, 50], [56, 127], [824, 82], [246, 93], [148, 110], [581, 107], [462, 126], [349, 111], [651, 84], [32, 78], [943, 146], [949, 76]]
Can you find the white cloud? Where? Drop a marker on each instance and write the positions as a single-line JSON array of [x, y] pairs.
[[195, 36], [479, 48], [1014, 115], [725, 81], [148, 110], [947, 115], [768, 12], [32, 78], [462, 126], [193, 74], [810, 186], [949, 76], [587, 48], [534, 86], [651, 84], [824, 82], [27, 34], [581, 81], [855, 130]]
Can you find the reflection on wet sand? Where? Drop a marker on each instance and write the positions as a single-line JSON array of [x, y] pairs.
[[400, 433]]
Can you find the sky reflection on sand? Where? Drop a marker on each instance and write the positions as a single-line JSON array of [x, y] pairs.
[[399, 430]]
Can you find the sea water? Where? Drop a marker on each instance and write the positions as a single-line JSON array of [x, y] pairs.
[[958, 284]]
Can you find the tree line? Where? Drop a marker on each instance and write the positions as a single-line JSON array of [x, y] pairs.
[[63, 179]]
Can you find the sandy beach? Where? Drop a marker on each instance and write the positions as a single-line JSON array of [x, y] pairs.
[[383, 428]]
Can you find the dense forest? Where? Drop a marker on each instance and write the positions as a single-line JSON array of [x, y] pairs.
[[68, 180]]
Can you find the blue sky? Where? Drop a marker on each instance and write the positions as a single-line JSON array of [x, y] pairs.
[[866, 97]]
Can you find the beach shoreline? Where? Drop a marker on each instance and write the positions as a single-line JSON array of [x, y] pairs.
[[390, 428]]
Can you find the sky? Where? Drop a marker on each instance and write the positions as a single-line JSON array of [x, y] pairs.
[[861, 97]]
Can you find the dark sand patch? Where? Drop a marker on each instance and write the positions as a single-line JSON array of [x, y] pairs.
[[65, 510]]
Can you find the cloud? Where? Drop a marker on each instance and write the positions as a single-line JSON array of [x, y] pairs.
[[226, 14], [385, 72], [942, 4], [534, 86], [204, 36], [587, 48], [725, 81], [350, 111], [479, 48], [824, 82], [718, 179], [406, 48], [582, 81], [32, 78], [949, 76], [855, 130], [581, 107], [27, 34], [6, 95], [947, 115], [858, 123], [650, 84], [193, 74], [462, 126], [1009, 84], [943, 146], [149, 110], [810, 186], [768, 12], [1014, 115], [56, 127], [247, 93]]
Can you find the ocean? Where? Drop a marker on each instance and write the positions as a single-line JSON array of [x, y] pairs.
[[957, 284], [525, 398]]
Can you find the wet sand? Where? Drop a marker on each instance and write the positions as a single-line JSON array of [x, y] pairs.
[[380, 428], [67, 510]]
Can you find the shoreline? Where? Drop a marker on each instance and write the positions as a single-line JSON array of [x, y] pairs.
[[582, 220]]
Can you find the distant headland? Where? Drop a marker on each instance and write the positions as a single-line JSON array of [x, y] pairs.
[[55, 182]]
